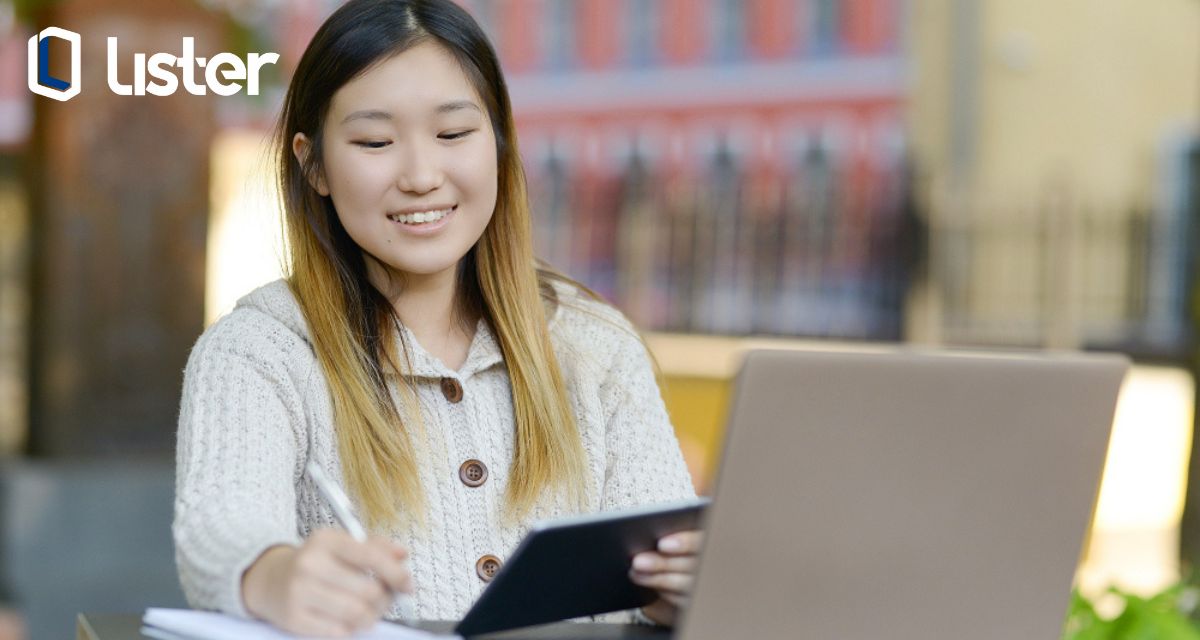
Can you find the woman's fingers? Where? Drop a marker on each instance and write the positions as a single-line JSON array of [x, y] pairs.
[[662, 611], [671, 569], [359, 585], [340, 581], [314, 610], [665, 583], [341, 608], [650, 562], [311, 623], [378, 557], [674, 599], [682, 543], [392, 567]]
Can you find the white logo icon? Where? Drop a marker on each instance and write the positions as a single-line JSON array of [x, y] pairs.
[[40, 80]]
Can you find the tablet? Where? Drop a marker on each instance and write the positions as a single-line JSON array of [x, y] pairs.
[[577, 566]]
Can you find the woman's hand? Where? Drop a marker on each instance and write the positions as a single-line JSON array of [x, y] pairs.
[[671, 572], [332, 585]]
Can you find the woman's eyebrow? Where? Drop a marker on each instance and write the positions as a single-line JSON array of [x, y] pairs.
[[379, 114], [457, 105], [368, 114]]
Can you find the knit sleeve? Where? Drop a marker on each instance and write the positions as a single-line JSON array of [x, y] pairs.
[[645, 465], [240, 440]]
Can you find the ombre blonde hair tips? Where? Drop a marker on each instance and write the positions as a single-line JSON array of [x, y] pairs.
[[355, 329]]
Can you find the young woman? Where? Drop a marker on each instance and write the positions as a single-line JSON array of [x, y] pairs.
[[416, 351]]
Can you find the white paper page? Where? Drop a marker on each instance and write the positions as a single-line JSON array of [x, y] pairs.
[[186, 624]]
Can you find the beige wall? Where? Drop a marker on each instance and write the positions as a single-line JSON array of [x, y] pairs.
[[1083, 91], [1029, 109], [930, 45], [1074, 92]]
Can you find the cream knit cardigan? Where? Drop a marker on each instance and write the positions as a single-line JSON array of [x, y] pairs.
[[256, 407]]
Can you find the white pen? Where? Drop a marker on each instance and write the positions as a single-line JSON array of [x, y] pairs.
[[337, 501], [345, 516]]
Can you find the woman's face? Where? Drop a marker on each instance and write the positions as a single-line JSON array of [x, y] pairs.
[[410, 161]]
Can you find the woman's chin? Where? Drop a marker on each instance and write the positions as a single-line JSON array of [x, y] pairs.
[[423, 270]]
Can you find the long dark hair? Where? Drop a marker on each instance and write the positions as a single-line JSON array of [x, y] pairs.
[[353, 325]]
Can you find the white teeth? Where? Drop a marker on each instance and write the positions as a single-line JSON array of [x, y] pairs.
[[420, 218]]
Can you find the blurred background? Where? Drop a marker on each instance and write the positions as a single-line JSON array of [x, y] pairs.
[[731, 173]]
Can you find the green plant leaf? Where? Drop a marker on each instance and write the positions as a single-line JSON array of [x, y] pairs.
[[1159, 617]]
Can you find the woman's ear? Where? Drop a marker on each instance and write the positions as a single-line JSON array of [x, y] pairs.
[[301, 147]]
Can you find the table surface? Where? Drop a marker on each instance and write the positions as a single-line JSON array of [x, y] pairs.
[[126, 626]]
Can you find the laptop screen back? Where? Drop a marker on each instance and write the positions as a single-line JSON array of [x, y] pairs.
[[903, 495]]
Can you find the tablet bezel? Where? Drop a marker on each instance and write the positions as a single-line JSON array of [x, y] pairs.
[[540, 583]]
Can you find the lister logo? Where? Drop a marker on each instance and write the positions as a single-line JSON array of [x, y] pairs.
[[223, 73], [159, 67]]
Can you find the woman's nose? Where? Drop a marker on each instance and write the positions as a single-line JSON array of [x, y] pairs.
[[420, 170]]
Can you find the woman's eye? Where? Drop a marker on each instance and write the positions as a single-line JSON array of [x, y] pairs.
[[372, 144], [455, 136]]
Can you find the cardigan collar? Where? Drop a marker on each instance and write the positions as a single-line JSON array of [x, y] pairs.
[[276, 300], [483, 353]]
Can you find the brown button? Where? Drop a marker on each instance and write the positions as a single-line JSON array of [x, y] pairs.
[[473, 473], [486, 567], [451, 389]]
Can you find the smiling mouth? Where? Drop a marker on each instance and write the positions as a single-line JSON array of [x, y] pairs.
[[417, 219]]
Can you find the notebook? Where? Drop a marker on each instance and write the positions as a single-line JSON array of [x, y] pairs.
[[186, 624]]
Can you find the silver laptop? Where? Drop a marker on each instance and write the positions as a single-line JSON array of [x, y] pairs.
[[903, 495]]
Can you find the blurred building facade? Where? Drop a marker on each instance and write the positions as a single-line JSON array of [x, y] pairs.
[[961, 171], [1054, 141], [713, 166], [717, 166], [16, 117]]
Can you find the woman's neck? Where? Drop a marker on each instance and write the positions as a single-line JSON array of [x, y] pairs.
[[429, 305]]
